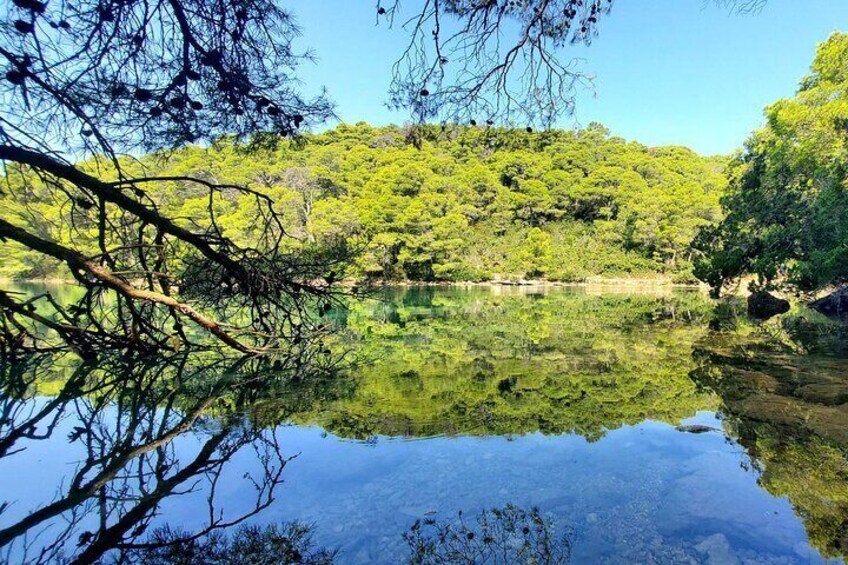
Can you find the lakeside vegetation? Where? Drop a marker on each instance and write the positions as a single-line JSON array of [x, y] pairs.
[[466, 204], [786, 204]]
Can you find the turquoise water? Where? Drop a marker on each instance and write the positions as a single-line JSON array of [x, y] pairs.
[[644, 427]]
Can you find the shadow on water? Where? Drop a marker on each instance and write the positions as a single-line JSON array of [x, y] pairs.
[[143, 439]]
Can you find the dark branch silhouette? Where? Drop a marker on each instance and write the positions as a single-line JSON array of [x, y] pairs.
[[497, 61], [127, 413], [88, 85], [99, 81], [464, 62]]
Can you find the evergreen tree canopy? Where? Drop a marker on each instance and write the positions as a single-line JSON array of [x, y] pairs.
[[787, 203], [469, 203]]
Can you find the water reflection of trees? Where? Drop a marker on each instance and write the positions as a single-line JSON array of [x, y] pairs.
[[454, 363], [273, 544], [785, 398], [459, 362], [127, 413], [510, 535]]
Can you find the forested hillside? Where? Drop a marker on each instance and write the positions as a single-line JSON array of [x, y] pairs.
[[464, 203]]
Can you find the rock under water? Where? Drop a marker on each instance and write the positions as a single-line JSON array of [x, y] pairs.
[[764, 305], [834, 305]]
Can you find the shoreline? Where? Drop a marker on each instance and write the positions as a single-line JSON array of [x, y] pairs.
[[592, 281], [655, 282]]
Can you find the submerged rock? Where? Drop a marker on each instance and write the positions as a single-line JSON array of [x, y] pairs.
[[834, 305], [696, 429], [764, 305], [717, 550]]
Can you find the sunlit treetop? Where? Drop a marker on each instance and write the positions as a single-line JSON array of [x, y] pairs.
[[785, 210]]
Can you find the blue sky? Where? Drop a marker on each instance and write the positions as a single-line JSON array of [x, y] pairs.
[[679, 72]]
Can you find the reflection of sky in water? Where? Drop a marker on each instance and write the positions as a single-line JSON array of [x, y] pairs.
[[640, 493], [475, 362]]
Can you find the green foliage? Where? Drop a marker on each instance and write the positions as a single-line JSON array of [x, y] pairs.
[[480, 362], [536, 252], [787, 204], [469, 204]]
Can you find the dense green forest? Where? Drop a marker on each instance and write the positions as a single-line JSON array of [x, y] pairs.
[[433, 204], [787, 202], [476, 203]]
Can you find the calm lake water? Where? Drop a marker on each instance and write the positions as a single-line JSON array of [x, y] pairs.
[[649, 428]]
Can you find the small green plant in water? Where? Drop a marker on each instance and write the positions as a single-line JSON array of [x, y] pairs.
[[500, 536]]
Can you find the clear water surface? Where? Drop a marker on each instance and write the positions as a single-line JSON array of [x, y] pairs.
[[645, 427]]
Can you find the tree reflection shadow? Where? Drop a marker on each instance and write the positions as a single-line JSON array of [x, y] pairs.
[[126, 413], [284, 544], [785, 398], [499, 536]]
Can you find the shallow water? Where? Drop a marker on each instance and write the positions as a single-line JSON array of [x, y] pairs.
[[576, 402]]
